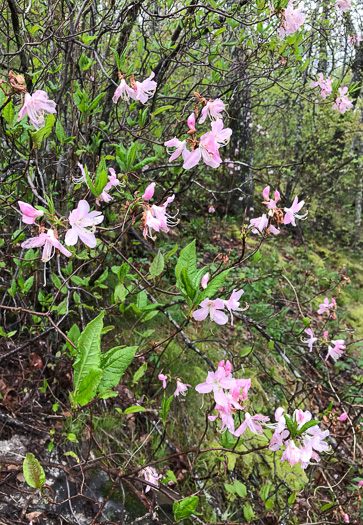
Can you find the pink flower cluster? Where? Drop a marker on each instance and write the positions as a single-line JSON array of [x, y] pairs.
[[112, 181], [336, 351], [83, 226], [156, 218], [35, 106], [260, 223], [215, 308], [228, 393], [292, 19], [343, 103], [181, 387], [325, 85], [355, 39], [138, 91], [209, 143], [150, 474], [328, 307], [309, 442], [343, 5]]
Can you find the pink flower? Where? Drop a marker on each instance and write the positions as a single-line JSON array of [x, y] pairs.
[[221, 136], [343, 103], [325, 334], [29, 213], [343, 416], [212, 308], [213, 110], [211, 209], [215, 382], [233, 303], [343, 5], [260, 223], [124, 91], [151, 475], [325, 85], [360, 484], [271, 203], [336, 351], [105, 197], [292, 213], [163, 378], [157, 219], [291, 453], [149, 192], [208, 150], [80, 219], [355, 39], [35, 106], [145, 89], [204, 281], [325, 307], [191, 122], [112, 180], [266, 193], [312, 339], [252, 422], [292, 20], [181, 148], [346, 518], [301, 417], [180, 388], [50, 243]]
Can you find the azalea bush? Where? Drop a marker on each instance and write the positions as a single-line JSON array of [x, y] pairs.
[[162, 167]]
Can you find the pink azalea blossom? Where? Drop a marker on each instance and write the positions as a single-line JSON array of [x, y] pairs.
[[336, 351], [271, 203], [29, 213], [260, 223], [145, 89], [149, 192], [151, 475], [343, 103], [233, 303], [163, 378], [251, 422], [207, 150], [311, 339], [325, 307], [213, 309], [80, 219], [215, 382], [360, 484], [277, 440], [346, 518], [157, 219], [292, 213], [124, 91], [291, 453], [181, 148], [191, 122], [180, 388], [50, 243], [35, 106], [355, 39], [211, 209], [325, 334], [112, 180], [213, 110], [221, 135], [104, 197], [343, 416], [343, 5], [325, 85], [292, 19], [301, 417], [204, 281]]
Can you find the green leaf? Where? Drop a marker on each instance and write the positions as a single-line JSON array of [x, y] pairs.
[[246, 351], [120, 293], [240, 488], [72, 437], [185, 284], [326, 506], [108, 394], [188, 259], [88, 388], [8, 112], [170, 477], [157, 266], [72, 454], [33, 472], [140, 372], [213, 286], [141, 300], [227, 440], [73, 334], [292, 498], [95, 102], [134, 409], [113, 364], [269, 504], [28, 284], [161, 110], [89, 182], [123, 271], [59, 131], [291, 425], [172, 251], [88, 350], [257, 256], [165, 407], [306, 321], [45, 131], [248, 511], [308, 425], [265, 489], [186, 507]]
